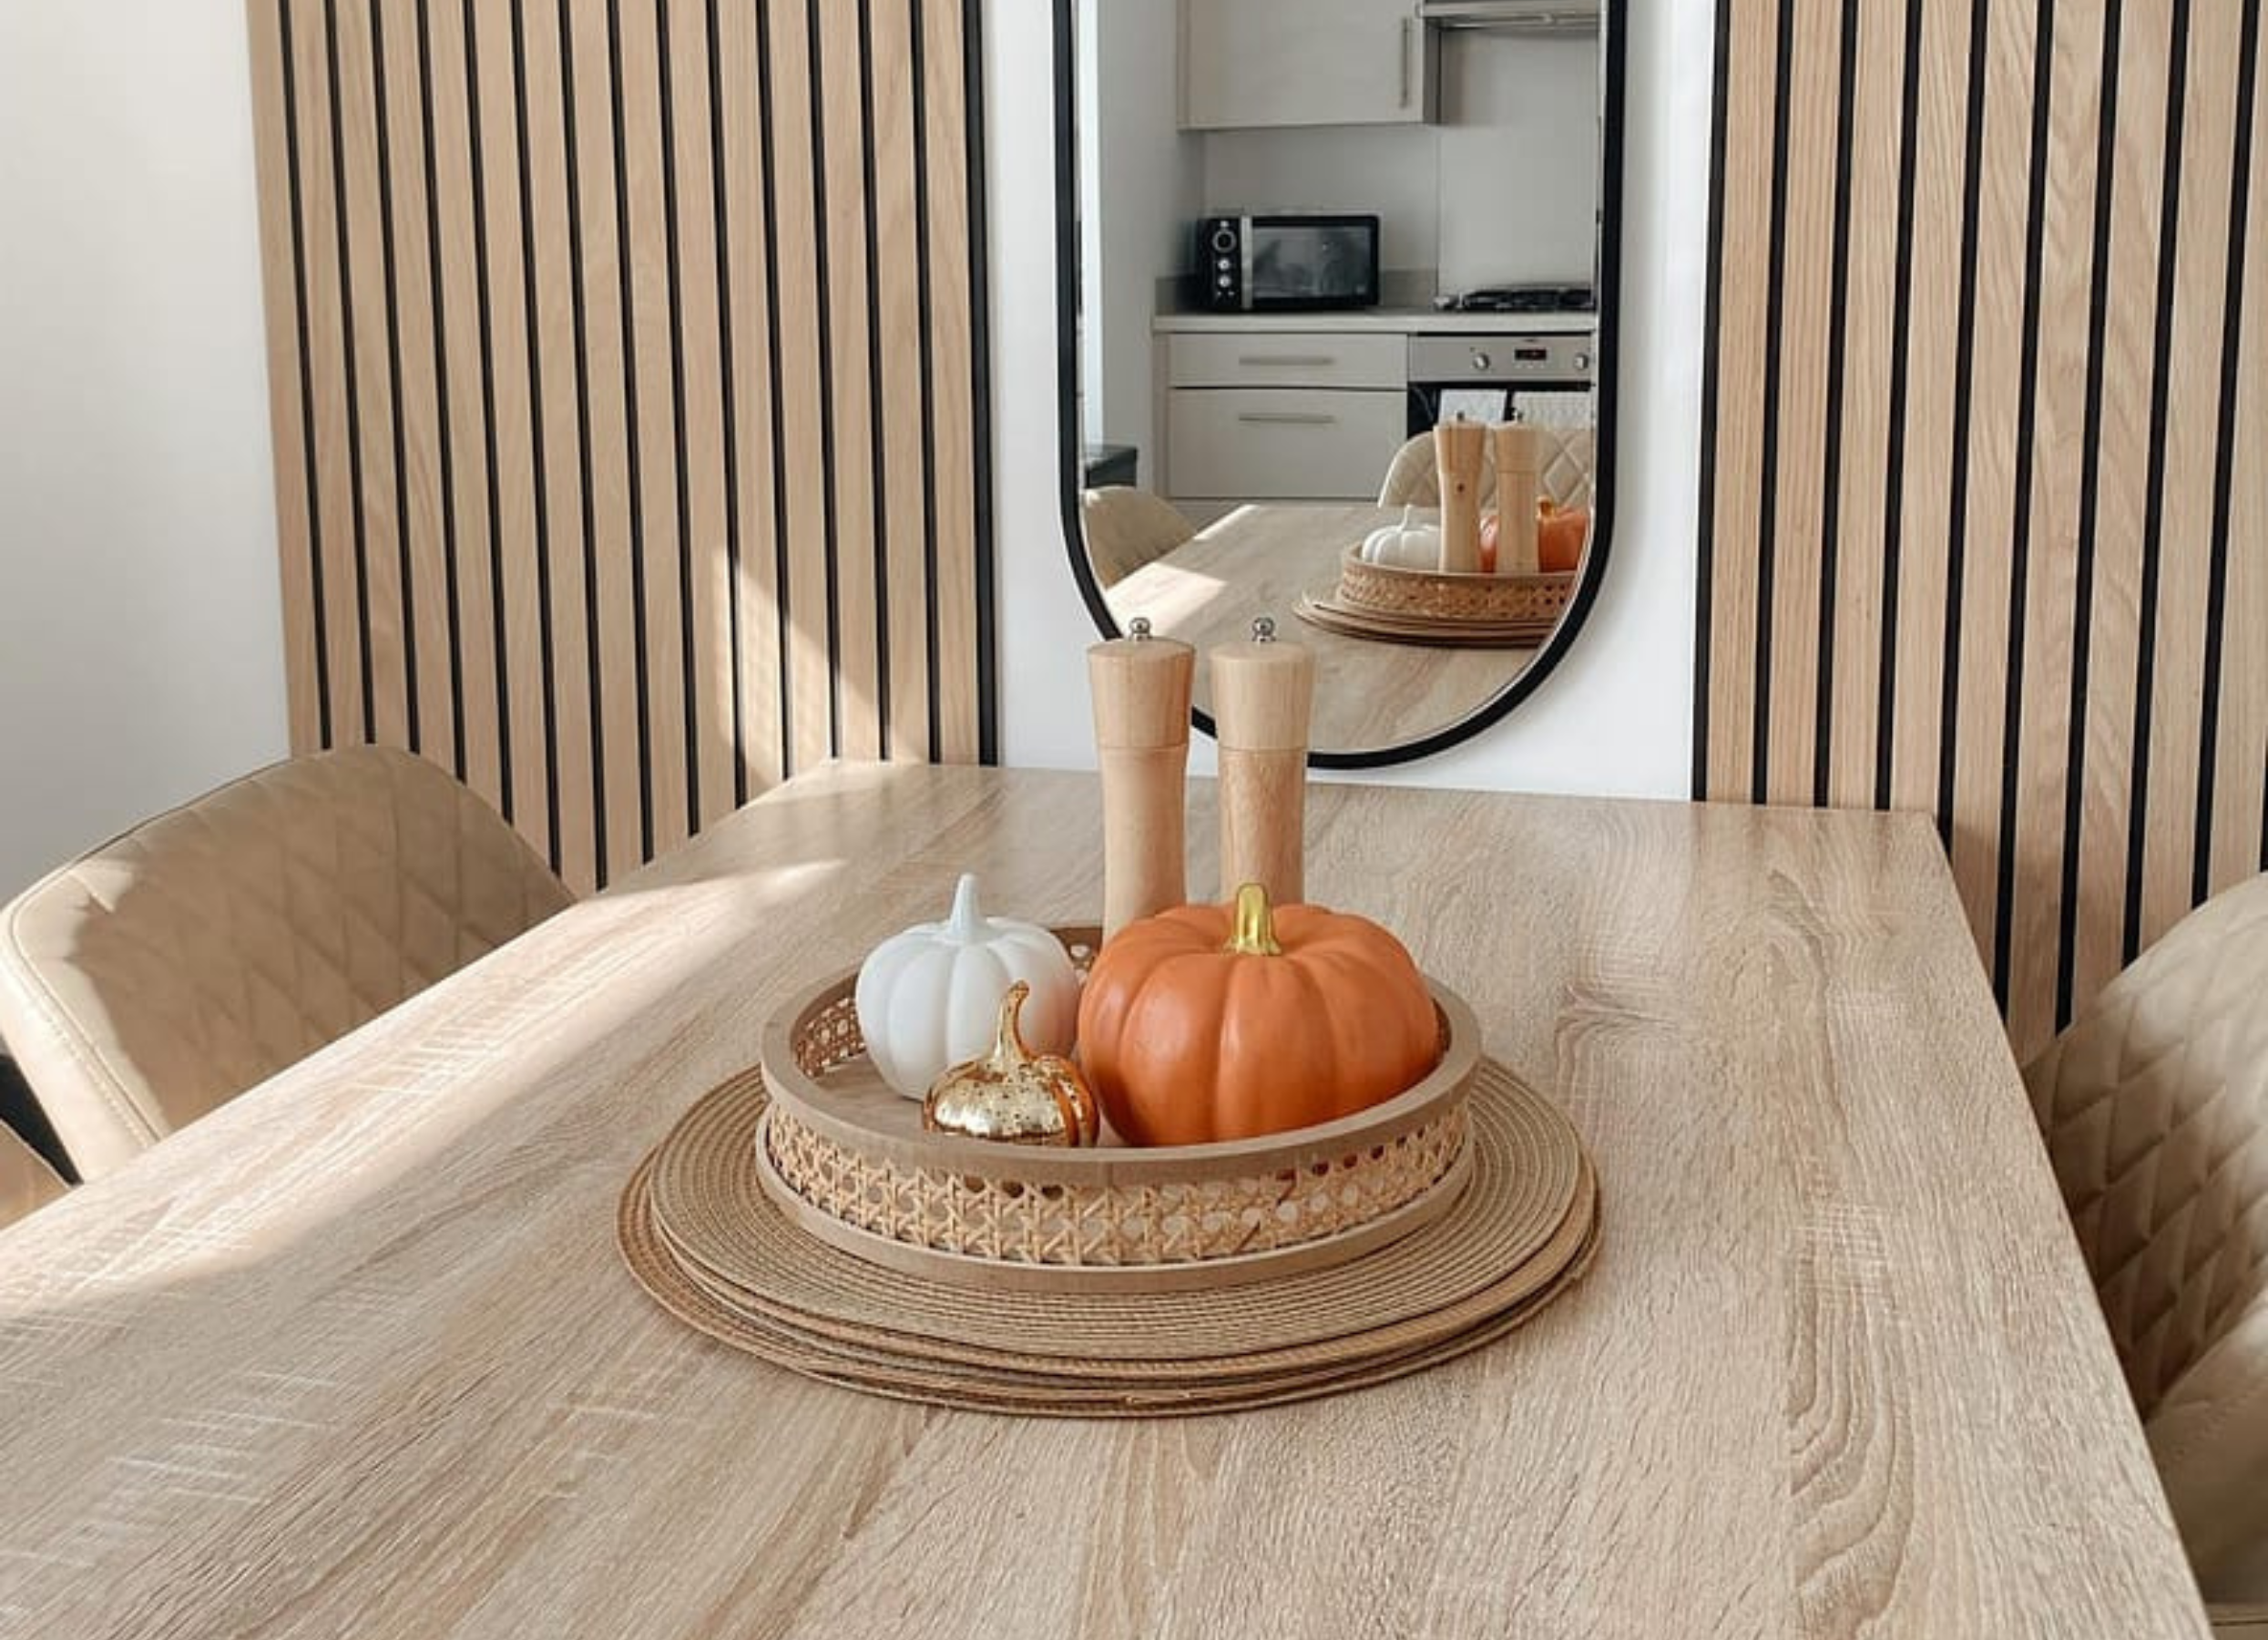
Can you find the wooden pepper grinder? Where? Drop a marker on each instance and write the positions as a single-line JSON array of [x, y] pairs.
[[1262, 693], [1460, 453], [1141, 691], [1518, 482]]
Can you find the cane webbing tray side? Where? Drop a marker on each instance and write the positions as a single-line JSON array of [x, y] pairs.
[[848, 1158], [1326, 612], [1391, 589], [1524, 1228]]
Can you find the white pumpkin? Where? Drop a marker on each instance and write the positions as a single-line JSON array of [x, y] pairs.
[[1405, 546], [929, 998]]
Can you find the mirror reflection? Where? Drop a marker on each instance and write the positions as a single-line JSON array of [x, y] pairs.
[[1310, 232]]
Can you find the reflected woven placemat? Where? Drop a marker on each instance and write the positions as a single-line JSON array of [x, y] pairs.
[[699, 1231]]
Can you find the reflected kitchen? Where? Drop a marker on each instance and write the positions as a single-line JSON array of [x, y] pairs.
[[1311, 235]]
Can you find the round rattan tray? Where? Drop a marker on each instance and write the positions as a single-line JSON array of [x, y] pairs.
[[701, 1233], [847, 1160], [1435, 595]]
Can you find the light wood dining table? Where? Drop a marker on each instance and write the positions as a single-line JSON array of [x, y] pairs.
[[355, 1355], [1370, 695]]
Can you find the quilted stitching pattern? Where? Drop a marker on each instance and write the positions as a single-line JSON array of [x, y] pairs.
[[2154, 1105], [1414, 479], [208, 949]]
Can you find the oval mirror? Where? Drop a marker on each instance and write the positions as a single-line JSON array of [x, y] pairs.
[[1297, 237]]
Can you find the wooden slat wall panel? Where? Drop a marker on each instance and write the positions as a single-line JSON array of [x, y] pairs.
[[629, 389], [1985, 337]]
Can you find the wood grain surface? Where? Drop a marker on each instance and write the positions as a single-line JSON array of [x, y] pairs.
[[355, 1356], [1984, 512], [628, 395], [1258, 562]]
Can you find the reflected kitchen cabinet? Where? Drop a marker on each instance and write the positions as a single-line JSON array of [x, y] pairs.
[[1304, 62]]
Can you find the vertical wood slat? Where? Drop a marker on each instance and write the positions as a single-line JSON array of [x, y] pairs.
[[905, 476], [2239, 795], [837, 83], [2167, 783], [665, 774], [1996, 360], [284, 261], [751, 444], [947, 47], [626, 362], [338, 635], [688, 137], [460, 301], [427, 558], [802, 417], [2073, 678], [1867, 334], [367, 235], [1805, 225], [518, 511]]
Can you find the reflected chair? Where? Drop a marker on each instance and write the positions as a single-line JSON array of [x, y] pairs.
[[2154, 1105], [1127, 528], [26, 1182], [168, 971], [1569, 456]]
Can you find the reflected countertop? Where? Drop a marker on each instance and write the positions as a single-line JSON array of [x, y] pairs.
[[1391, 321]]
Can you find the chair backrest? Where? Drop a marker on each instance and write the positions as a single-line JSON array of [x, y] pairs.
[[26, 1182], [203, 951], [1569, 455], [2154, 1105], [1127, 528]]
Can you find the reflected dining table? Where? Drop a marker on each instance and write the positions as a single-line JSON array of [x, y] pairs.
[[1259, 560], [356, 1354]]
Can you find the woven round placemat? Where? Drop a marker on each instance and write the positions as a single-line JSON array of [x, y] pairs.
[[701, 1236]]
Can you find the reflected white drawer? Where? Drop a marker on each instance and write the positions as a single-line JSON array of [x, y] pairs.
[[1283, 445], [1287, 359]]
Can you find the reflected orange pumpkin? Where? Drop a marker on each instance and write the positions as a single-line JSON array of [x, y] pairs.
[[1214, 1023], [1561, 535]]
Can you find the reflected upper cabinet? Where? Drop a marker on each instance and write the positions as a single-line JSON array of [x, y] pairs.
[[1298, 236], [1250, 63]]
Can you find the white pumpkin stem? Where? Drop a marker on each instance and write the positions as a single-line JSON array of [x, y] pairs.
[[966, 924]]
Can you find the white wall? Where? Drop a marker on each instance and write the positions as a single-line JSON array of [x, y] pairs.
[[1501, 190], [141, 649], [1616, 716], [1131, 135]]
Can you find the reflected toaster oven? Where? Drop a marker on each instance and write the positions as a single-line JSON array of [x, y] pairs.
[[1289, 261]]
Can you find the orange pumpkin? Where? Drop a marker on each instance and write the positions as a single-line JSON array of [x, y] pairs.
[[1561, 535], [1210, 1022]]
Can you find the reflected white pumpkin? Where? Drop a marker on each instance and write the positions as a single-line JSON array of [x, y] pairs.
[[1405, 546]]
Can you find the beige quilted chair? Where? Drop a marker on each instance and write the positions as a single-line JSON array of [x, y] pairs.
[[26, 1180], [2155, 1108], [1414, 478], [1127, 528], [207, 950]]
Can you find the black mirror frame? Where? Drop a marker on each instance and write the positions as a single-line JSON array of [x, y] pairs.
[[1609, 350]]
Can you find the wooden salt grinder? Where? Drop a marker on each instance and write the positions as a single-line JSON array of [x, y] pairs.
[[1262, 694], [1518, 459], [1460, 453], [1141, 692]]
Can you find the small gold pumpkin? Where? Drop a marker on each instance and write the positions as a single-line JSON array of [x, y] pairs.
[[1014, 1095]]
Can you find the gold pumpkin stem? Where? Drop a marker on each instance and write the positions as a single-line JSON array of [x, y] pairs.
[[1008, 1045], [1255, 929]]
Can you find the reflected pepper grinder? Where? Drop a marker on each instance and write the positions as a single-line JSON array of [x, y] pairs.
[[1519, 483], [1460, 455], [1263, 693], [1141, 688]]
